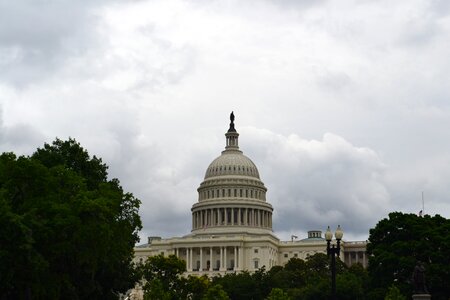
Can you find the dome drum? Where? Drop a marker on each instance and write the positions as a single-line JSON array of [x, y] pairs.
[[206, 219]]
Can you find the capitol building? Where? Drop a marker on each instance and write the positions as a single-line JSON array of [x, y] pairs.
[[232, 224]]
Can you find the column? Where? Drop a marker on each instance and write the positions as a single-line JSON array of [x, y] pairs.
[[219, 216], [246, 217], [226, 215], [201, 259], [241, 258], [197, 217], [239, 217], [188, 259], [232, 216], [210, 259], [364, 259], [357, 256], [225, 258]]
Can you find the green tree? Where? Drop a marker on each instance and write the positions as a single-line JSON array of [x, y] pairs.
[[398, 242], [278, 294], [240, 286], [66, 231], [163, 273], [197, 286], [394, 294], [216, 292]]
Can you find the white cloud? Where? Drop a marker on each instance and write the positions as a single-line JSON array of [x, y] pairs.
[[313, 183]]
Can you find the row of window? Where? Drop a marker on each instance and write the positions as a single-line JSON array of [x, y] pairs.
[[223, 169], [220, 193]]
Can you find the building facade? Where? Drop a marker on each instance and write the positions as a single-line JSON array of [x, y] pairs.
[[232, 223]]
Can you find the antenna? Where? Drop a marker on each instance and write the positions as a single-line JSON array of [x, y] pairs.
[[423, 205]]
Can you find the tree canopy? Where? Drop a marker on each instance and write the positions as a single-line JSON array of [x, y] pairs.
[[163, 280], [66, 231], [398, 242]]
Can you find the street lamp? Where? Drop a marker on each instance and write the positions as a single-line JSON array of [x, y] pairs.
[[334, 251]]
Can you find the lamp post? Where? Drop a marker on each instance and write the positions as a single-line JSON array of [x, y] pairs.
[[334, 251]]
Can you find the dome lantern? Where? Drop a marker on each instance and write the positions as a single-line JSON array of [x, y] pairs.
[[232, 136]]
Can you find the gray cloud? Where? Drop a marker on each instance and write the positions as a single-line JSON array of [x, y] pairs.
[[342, 107], [38, 37]]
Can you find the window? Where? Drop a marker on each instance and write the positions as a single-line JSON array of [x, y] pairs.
[[295, 255], [256, 264], [256, 250], [286, 255]]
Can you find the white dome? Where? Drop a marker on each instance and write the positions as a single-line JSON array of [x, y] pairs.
[[232, 163], [232, 198]]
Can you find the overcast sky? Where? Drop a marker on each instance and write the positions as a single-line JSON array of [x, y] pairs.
[[344, 106]]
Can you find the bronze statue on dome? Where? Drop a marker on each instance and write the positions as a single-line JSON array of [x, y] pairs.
[[232, 123]]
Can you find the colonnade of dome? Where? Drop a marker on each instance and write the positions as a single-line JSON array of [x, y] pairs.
[[234, 216]]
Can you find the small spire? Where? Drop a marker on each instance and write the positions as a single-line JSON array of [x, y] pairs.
[[232, 129]]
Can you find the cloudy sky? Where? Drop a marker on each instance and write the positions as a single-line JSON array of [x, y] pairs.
[[344, 106]]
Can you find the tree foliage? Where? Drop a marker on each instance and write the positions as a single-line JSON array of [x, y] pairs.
[[397, 243], [298, 279], [163, 280], [394, 294], [66, 231], [278, 294]]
